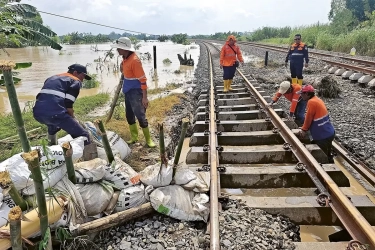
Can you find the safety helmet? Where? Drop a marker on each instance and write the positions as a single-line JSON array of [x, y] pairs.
[[284, 86]]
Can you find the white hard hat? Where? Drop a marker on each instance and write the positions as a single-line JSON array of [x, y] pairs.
[[123, 43], [284, 86]]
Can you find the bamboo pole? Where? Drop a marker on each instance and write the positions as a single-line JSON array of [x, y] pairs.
[[32, 160], [99, 125], [14, 217], [114, 219], [32, 225], [185, 122], [115, 98], [163, 156], [68, 152], [6, 183], [6, 67]]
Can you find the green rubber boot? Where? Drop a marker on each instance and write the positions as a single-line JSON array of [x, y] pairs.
[[133, 134], [149, 142]]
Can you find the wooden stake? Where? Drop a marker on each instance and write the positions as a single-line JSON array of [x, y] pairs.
[[114, 219]]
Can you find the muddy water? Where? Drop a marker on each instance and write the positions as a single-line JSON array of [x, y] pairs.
[[48, 62]]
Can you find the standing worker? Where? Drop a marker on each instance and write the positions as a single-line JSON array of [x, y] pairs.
[[228, 61], [54, 103], [134, 89], [317, 121], [297, 52], [298, 105]]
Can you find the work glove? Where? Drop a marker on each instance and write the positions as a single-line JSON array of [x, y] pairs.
[[270, 104]]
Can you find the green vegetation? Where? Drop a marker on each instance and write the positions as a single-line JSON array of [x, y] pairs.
[[180, 39], [22, 25], [167, 61], [82, 107], [93, 83], [352, 24], [163, 38]]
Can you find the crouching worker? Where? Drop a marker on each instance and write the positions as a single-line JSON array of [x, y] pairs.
[[317, 121], [134, 89], [298, 105], [54, 104]]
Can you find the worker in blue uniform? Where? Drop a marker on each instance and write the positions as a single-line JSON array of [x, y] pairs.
[[54, 103], [296, 54]]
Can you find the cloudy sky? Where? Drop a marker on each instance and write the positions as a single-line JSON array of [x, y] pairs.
[[177, 16]]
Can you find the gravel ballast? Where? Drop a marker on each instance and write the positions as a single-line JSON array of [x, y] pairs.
[[241, 227]]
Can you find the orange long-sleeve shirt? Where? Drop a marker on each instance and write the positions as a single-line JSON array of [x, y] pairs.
[[228, 57], [293, 97]]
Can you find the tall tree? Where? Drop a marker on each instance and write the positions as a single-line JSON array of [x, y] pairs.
[[357, 7], [24, 24], [337, 6]]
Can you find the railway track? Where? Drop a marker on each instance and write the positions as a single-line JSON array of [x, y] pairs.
[[354, 69], [246, 145]]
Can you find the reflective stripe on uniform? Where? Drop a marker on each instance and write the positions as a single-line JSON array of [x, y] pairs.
[[127, 78], [57, 93], [297, 54]]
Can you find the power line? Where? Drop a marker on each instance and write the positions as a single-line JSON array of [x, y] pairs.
[[98, 24]]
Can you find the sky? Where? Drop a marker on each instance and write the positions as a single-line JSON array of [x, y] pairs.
[[176, 16]]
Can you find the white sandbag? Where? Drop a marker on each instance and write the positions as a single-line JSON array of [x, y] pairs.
[[152, 175], [95, 196], [181, 204], [20, 172], [115, 141], [200, 184], [90, 171], [50, 178], [131, 197], [103, 155], [5, 208], [121, 175], [76, 210], [184, 176]]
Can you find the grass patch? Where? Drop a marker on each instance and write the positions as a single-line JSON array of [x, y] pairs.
[[82, 107], [86, 104], [156, 113]]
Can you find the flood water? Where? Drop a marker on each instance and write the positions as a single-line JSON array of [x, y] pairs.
[[48, 62]]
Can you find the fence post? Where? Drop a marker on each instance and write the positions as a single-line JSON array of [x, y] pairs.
[[155, 57]]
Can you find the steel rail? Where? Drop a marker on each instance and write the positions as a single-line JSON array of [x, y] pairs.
[[357, 60], [361, 168], [213, 160], [348, 214]]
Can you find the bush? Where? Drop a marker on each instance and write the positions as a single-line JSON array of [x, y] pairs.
[[167, 61], [93, 83]]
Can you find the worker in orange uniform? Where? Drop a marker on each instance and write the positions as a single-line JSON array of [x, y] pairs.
[[298, 106], [135, 90], [228, 61], [317, 121], [297, 52]]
